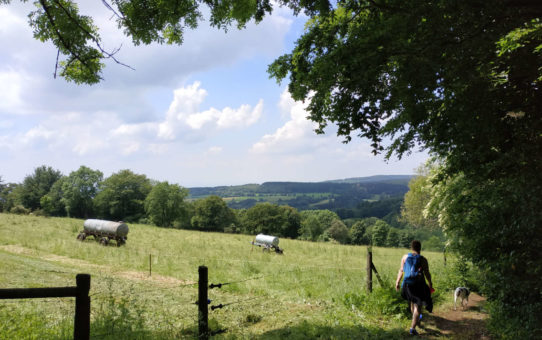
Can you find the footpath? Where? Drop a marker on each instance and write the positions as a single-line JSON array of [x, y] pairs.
[[447, 323]]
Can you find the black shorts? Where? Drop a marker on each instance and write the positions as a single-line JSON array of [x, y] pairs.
[[418, 293]]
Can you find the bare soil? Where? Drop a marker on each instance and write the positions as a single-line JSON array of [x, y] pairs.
[[447, 323]]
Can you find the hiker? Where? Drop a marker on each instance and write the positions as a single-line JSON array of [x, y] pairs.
[[415, 270]]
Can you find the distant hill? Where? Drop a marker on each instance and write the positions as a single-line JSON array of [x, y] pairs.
[[394, 179], [333, 194]]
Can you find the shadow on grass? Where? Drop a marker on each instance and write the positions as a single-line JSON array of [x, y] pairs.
[[457, 329], [307, 330], [127, 334]]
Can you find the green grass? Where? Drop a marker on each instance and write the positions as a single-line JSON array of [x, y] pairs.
[[306, 293]]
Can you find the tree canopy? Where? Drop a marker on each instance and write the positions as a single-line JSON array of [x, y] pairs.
[[37, 185], [456, 77], [461, 79], [79, 189], [414, 209], [164, 204], [122, 196], [267, 218], [77, 38], [212, 214], [315, 222]]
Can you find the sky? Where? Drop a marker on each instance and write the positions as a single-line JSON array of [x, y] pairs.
[[204, 113]]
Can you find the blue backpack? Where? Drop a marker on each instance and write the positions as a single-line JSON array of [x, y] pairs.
[[412, 269]]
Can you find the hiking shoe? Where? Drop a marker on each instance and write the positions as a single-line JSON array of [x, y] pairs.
[[413, 332]]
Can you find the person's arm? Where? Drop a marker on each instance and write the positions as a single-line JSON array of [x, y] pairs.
[[400, 273], [425, 268]]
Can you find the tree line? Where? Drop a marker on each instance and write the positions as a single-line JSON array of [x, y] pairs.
[[131, 197]]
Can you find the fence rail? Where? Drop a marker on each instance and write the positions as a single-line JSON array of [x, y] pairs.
[[81, 329]]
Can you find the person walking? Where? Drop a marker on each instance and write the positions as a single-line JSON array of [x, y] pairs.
[[415, 270]]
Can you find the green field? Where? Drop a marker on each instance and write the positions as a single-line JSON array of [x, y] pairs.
[[314, 290]]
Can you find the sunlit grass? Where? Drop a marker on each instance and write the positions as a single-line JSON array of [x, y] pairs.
[[273, 296]]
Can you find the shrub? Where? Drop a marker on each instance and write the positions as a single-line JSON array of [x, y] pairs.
[[19, 210], [382, 301], [434, 244], [461, 273], [506, 325], [40, 212]]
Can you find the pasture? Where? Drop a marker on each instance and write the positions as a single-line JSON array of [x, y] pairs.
[[314, 290]]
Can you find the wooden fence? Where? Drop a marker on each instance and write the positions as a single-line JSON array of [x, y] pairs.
[[81, 329]]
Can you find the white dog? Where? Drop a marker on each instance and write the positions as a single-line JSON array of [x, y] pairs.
[[463, 294]]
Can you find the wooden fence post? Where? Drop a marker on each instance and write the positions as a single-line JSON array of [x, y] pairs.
[[369, 269], [81, 329], [203, 312], [150, 264], [377, 275]]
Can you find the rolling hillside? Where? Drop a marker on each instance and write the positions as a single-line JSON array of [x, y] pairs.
[[313, 290], [333, 194]]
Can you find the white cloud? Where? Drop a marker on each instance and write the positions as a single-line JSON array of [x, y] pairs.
[[130, 147], [184, 110], [74, 133], [11, 83], [214, 150], [87, 134], [185, 121], [9, 20], [295, 135], [39, 132], [26, 65]]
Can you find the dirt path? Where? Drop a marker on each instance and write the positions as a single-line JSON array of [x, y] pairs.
[[448, 323]]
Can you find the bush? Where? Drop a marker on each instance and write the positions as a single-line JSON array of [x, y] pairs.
[[461, 273], [382, 301], [339, 232], [19, 210], [145, 220], [434, 244], [40, 212], [524, 323]]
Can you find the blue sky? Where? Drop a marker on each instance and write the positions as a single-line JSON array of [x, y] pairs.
[[201, 114]]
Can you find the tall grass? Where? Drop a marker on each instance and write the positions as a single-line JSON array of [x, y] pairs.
[[314, 288]]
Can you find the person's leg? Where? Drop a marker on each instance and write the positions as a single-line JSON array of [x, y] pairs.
[[415, 315]]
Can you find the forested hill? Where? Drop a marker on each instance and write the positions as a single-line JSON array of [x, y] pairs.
[[391, 179], [333, 194]]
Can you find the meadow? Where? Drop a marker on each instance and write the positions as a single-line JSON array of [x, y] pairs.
[[313, 290]]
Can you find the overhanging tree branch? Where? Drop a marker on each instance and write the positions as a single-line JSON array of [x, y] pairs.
[[60, 37], [92, 37]]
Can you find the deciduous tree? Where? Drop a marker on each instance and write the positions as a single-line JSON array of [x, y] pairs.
[[52, 203], [37, 185], [315, 222], [338, 232], [165, 203], [413, 210], [79, 190], [212, 214], [8, 197], [380, 232], [273, 219], [121, 196]]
